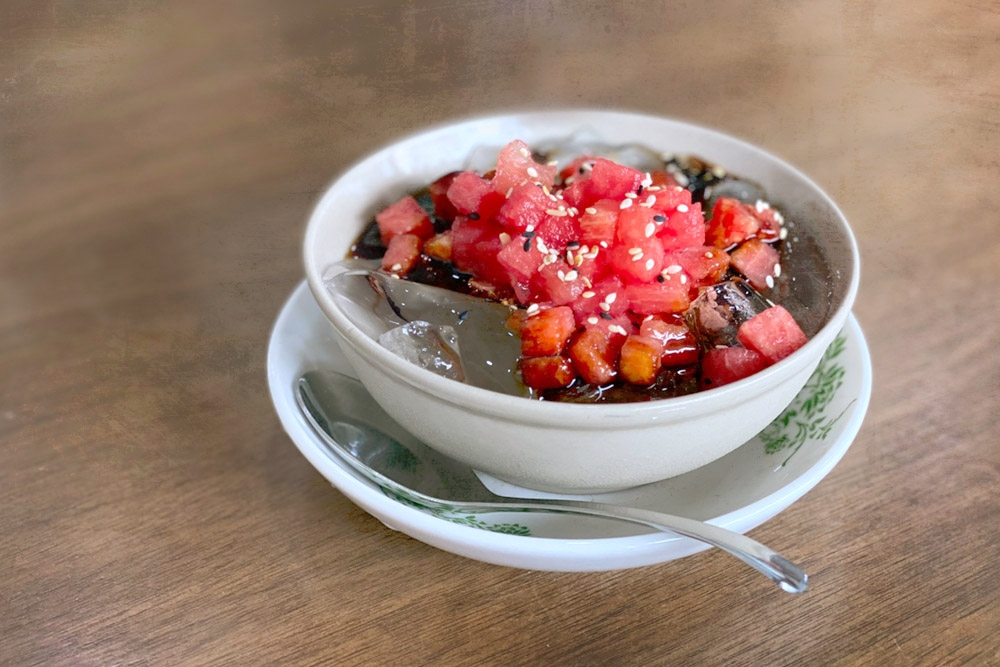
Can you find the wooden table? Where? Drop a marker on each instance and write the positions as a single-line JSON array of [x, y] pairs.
[[157, 164]]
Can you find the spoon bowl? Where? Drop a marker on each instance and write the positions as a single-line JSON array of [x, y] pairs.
[[357, 431]]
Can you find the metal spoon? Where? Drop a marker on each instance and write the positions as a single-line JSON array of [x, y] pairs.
[[358, 432]]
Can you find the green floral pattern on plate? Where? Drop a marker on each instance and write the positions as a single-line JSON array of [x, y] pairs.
[[805, 419], [455, 515]]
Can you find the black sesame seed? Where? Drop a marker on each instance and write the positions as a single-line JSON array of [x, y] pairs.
[[473, 216], [462, 315], [582, 170], [639, 191], [660, 278], [527, 245], [528, 235], [606, 316], [573, 244], [660, 218]]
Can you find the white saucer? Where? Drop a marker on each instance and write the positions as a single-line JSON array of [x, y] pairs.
[[739, 491]]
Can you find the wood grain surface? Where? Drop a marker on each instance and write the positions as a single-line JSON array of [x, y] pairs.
[[157, 164]]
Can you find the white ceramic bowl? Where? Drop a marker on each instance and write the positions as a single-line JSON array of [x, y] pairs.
[[569, 447]]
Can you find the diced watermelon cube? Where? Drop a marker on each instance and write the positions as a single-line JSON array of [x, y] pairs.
[[773, 332], [723, 365], [669, 198], [636, 225], [558, 231], [521, 258], [549, 372], [473, 195], [475, 245], [656, 297], [609, 180], [639, 263], [600, 299], [685, 227], [756, 260], [525, 206], [406, 216], [704, 265], [547, 331], [402, 253], [598, 222], [515, 166], [557, 283], [732, 222]]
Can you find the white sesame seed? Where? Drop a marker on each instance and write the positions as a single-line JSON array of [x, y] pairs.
[[592, 320], [572, 211], [532, 172], [770, 281], [647, 318], [590, 209], [578, 260], [718, 171], [761, 205], [588, 294], [654, 188], [684, 279], [509, 191], [779, 218], [610, 298], [678, 188], [673, 268], [646, 181], [586, 281], [561, 274], [618, 329], [683, 208], [783, 234], [650, 229], [631, 195], [605, 307], [551, 163], [553, 197], [636, 258], [532, 309], [625, 204], [650, 200], [604, 244], [524, 152], [504, 238], [529, 228], [556, 212], [635, 251], [777, 270], [396, 267], [650, 263], [572, 275], [542, 248], [545, 189], [709, 255]]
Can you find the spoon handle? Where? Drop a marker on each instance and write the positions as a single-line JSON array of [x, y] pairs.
[[789, 576]]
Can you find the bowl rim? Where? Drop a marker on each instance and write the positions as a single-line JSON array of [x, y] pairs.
[[611, 415]]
